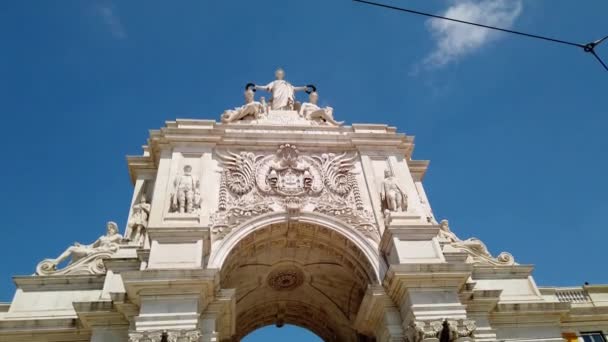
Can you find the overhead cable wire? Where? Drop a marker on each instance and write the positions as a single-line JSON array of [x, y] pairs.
[[589, 47]]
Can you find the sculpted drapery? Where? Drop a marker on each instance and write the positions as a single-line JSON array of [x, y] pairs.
[[283, 93]]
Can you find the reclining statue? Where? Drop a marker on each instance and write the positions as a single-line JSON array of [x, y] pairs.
[[108, 243], [311, 111], [251, 108]]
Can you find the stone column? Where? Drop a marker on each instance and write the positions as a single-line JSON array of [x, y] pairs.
[[169, 301]]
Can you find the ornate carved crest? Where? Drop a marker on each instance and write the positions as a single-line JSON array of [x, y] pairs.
[[291, 181], [287, 173]]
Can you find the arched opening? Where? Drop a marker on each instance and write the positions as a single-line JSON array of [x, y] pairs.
[[289, 332], [298, 273]]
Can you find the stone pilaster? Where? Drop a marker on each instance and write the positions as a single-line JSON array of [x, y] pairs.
[[379, 316], [169, 299], [419, 280]]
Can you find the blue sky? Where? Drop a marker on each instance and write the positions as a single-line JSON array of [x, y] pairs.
[[514, 127]]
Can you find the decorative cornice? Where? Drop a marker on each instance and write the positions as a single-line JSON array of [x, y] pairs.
[[502, 272], [99, 313], [166, 281], [440, 275], [61, 282], [323, 138]]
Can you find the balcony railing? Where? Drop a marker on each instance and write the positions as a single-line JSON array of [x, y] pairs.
[[574, 295]]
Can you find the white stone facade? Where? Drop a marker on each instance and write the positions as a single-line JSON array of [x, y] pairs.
[[282, 218]]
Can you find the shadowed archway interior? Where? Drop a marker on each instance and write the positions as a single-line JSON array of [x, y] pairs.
[[297, 273]]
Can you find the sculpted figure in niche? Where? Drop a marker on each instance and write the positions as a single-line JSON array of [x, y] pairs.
[[186, 197], [283, 93], [311, 111], [138, 223], [106, 243], [251, 108], [393, 197]]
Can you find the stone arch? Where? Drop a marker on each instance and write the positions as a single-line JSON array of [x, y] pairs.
[[222, 248], [310, 271]]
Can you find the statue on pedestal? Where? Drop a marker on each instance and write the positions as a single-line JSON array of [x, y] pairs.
[[446, 235], [138, 223], [311, 111], [186, 197], [251, 108], [393, 197], [283, 93], [80, 254], [475, 247]]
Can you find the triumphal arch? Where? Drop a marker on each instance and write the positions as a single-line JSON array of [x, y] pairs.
[[281, 214]]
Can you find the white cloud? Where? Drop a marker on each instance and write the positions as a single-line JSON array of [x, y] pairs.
[[112, 21], [456, 40]]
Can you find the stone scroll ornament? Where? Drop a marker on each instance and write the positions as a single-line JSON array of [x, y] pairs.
[[288, 180], [84, 259]]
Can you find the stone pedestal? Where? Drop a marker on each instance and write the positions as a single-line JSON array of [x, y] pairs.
[[408, 240]]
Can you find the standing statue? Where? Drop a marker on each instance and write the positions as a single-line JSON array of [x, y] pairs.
[[393, 197], [138, 223], [283, 93], [251, 108], [311, 111], [106, 243], [186, 197]]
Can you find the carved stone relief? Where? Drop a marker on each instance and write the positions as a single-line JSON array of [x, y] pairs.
[[444, 331], [192, 335], [84, 259], [285, 278], [254, 184]]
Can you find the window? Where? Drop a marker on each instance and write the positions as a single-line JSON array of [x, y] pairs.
[[593, 337]]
